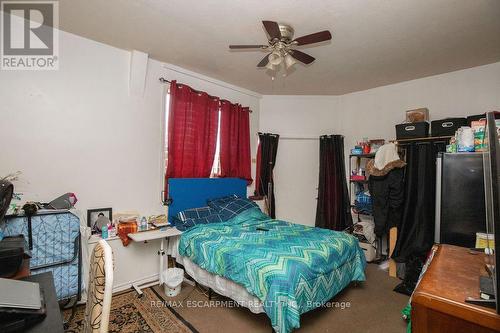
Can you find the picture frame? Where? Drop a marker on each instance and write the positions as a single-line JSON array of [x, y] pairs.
[[93, 215]]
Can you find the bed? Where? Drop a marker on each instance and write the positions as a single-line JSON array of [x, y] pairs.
[[272, 266]]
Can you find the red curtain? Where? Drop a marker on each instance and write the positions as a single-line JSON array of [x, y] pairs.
[[192, 133], [235, 141]]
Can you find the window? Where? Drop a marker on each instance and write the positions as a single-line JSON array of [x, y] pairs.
[[225, 139], [216, 166]]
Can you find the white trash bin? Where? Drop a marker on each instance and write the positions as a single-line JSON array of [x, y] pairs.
[[172, 281]]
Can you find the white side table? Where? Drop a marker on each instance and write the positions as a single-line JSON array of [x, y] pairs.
[[146, 236]]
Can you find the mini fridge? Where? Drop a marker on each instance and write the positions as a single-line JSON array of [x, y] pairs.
[[460, 203]]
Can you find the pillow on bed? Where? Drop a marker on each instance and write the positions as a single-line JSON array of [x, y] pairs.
[[175, 221], [191, 222], [229, 208], [218, 210], [218, 202], [195, 213]]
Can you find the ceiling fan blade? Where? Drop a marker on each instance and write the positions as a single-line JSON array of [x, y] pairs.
[[314, 38], [273, 29], [302, 57], [238, 47], [264, 61]]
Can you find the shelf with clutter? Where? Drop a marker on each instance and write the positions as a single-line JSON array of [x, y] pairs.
[[123, 224], [359, 194], [358, 179], [461, 134]]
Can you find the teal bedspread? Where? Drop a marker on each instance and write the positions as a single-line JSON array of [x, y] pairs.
[[291, 268]]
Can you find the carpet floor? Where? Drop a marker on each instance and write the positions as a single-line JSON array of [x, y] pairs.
[[373, 308], [131, 314]]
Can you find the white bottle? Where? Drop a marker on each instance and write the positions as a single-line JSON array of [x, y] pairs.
[[144, 224], [465, 139]]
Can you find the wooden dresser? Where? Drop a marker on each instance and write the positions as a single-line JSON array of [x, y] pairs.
[[438, 303]]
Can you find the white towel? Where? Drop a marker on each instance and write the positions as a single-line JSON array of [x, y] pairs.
[[386, 154]]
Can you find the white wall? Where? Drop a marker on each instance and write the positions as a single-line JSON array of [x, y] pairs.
[[371, 113], [78, 130], [461, 93], [297, 161]]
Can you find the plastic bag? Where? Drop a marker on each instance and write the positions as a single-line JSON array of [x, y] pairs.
[[173, 277]]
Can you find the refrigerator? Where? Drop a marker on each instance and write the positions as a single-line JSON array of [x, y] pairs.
[[460, 198]]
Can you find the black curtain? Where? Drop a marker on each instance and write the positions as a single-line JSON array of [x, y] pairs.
[[333, 210], [416, 229], [266, 159]]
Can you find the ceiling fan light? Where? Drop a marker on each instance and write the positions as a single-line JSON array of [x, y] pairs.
[[275, 58], [289, 61], [270, 66]]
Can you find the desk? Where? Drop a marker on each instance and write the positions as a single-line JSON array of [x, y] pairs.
[[53, 322], [438, 303], [145, 236]]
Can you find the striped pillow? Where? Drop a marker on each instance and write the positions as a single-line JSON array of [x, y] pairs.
[[233, 207], [218, 202], [195, 213]]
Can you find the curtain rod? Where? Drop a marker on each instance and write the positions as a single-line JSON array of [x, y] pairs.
[[298, 138], [305, 137], [163, 80], [289, 137], [265, 133], [247, 92]]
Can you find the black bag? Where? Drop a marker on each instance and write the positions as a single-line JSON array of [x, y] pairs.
[[447, 127], [412, 130], [11, 255], [412, 273]]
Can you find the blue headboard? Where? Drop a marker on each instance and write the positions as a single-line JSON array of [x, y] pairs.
[[193, 192]]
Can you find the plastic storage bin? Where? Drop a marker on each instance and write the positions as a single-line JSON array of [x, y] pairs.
[[172, 278], [447, 127], [412, 130]]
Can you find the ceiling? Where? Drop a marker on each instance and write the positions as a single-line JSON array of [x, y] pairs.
[[375, 42]]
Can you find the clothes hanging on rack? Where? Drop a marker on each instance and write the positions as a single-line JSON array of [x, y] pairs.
[[387, 193], [386, 188]]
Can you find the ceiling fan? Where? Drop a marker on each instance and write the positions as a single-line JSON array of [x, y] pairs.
[[281, 43]]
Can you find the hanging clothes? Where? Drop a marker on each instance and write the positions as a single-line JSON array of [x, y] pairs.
[[416, 230], [266, 160], [333, 209], [386, 188]]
